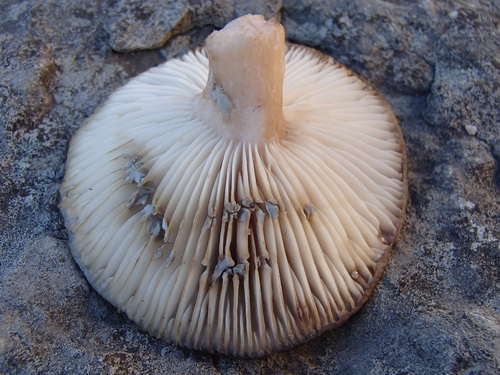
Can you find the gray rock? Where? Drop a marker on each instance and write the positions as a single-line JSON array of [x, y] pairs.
[[437, 63], [137, 25]]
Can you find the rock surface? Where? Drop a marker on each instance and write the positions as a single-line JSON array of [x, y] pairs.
[[436, 62]]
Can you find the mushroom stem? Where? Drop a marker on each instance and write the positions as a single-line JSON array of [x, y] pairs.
[[243, 99]]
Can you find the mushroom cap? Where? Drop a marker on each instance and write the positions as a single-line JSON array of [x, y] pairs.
[[229, 246]]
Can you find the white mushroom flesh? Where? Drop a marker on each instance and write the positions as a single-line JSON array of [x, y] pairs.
[[238, 242]]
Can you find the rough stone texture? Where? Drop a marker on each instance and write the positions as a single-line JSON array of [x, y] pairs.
[[437, 63]]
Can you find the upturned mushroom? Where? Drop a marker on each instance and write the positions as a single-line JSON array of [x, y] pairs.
[[240, 199]]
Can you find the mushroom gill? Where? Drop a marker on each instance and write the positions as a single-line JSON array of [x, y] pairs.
[[239, 203]]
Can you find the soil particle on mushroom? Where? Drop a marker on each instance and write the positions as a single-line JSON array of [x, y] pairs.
[[240, 199]]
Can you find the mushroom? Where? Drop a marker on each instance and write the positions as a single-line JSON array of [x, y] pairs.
[[240, 199]]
